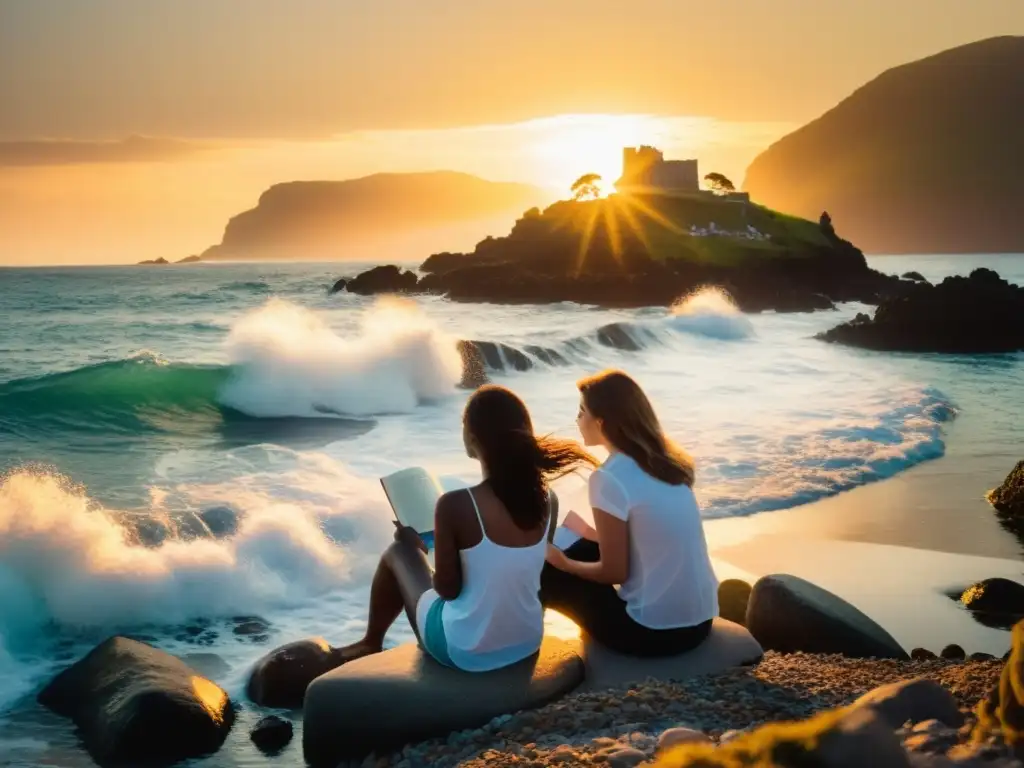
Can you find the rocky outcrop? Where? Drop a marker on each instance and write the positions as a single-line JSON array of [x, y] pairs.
[[571, 253], [384, 279], [789, 615], [995, 602], [281, 677], [339, 285], [133, 703], [1008, 498], [155, 262], [981, 313], [922, 159]]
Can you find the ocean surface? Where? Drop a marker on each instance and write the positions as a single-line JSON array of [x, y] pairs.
[[186, 448]]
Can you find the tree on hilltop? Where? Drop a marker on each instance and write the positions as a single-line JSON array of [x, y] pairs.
[[586, 186], [719, 183]]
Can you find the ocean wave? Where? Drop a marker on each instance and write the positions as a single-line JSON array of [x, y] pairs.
[[824, 456]]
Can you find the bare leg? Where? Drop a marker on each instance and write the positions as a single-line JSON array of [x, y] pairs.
[[402, 576]]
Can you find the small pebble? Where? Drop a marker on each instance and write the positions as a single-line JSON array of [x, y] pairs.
[[675, 736]]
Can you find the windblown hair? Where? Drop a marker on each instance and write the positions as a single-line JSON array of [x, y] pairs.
[[631, 426], [519, 464]]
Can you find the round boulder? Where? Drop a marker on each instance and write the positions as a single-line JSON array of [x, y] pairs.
[[995, 602], [789, 614], [281, 677], [133, 703], [271, 734], [954, 652], [733, 597]]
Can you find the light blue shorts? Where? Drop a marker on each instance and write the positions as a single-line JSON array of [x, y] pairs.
[[431, 628]]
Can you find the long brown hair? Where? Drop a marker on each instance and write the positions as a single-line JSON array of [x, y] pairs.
[[631, 426], [519, 464]]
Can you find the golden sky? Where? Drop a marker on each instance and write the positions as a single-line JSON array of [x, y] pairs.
[[245, 93]]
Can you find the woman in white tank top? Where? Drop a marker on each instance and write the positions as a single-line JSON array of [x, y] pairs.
[[480, 609], [641, 582]]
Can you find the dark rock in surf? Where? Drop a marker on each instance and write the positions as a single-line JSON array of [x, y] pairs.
[[978, 314], [281, 677], [383, 279], [546, 355], [155, 262], [733, 597], [1008, 498], [149, 532], [134, 703], [616, 336], [339, 285], [995, 602], [271, 734], [495, 356], [474, 366], [789, 615], [221, 522]]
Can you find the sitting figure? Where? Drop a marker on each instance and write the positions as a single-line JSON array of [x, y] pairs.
[[648, 538], [479, 610]]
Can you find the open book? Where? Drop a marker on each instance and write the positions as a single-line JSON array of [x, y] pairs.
[[572, 529], [413, 494]]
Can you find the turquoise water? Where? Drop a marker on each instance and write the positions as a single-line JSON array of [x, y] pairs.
[[133, 401]]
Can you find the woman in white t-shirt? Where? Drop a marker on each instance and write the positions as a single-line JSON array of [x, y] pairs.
[[641, 581]]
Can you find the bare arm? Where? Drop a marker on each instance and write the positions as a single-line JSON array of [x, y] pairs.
[[613, 539], [447, 565]]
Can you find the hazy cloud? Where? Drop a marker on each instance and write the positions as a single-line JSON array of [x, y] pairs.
[[134, 149]]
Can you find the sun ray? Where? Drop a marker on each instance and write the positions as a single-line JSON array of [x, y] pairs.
[[621, 202], [652, 214], [612, 225], [588, 234]]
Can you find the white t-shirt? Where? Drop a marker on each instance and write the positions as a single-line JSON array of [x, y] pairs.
[[671, 582]]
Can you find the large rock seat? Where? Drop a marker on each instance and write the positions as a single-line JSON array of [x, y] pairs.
[[729, 645], [381, 702], [789, 614]]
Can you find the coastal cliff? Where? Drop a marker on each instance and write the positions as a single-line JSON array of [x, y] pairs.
[[923, 159], [327, 219]]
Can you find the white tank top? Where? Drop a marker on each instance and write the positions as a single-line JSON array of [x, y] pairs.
[[497, 619]]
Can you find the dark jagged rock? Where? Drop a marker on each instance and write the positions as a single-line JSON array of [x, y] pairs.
[[271, 734], [981, 313], [953, 652], [134, 703], [155, 262], [917, 277], [383, 279], [281, 677], [339, 285], [193, 259], [1008, 498], [981, 656], [733, 597], [995, 602], [789, 615]]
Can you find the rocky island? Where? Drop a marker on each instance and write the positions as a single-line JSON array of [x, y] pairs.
[[650, 244]]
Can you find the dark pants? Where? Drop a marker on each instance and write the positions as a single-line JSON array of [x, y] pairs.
[[601, 613]]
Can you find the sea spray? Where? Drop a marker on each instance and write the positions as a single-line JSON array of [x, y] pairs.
[[710, 312], [66, 561], [289, 362]]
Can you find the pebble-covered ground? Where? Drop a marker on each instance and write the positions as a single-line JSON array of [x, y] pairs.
[[621, 727]]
